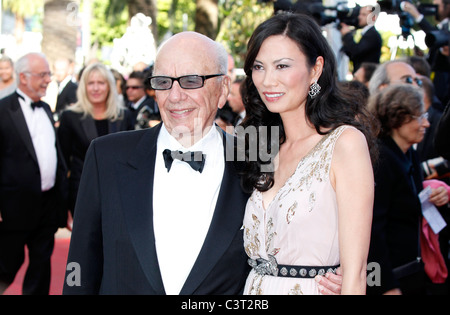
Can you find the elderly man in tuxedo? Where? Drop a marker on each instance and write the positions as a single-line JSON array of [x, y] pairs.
[[32, 178], [146, 221]]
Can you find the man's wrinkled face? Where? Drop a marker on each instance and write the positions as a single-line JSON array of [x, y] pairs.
[[189, 111]]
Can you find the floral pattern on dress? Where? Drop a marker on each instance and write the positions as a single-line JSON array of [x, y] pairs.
[[299, 226]]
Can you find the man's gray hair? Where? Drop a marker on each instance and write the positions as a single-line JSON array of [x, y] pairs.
[[380, 76], [23, 63]]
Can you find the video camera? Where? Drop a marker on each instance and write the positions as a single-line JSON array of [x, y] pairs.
[[438, 38], [341, 13], [406, 20]]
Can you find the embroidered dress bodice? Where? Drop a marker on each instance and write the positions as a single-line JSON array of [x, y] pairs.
[[300, 225]]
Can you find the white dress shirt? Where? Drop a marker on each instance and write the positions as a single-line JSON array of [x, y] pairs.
[[183, 205], [138, 103], [43, 138]]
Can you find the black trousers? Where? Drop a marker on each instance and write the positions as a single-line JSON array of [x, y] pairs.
[[40, 243]]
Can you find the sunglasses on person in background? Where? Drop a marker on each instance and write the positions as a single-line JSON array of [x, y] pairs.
[[411, 80], [188, 82], [134, 87], [421, 117]]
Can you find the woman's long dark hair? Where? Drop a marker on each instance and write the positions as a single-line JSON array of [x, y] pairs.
[[328, 110]]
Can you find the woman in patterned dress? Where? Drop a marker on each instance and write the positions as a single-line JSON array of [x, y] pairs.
[[313, 210]]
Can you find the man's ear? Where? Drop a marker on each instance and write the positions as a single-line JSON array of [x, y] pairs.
[[226, 88], [23, 78]]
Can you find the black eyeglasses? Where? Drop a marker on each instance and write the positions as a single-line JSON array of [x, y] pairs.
[[188, 82]]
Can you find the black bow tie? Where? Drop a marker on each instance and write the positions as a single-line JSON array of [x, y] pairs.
[[37, 104], [195, 159], [33, 104]]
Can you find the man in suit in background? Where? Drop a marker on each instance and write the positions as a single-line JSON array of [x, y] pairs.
[[67, 88], [438, 57], [142, 106], [151, 220], [368, 48], [32, 178], [236, 102]]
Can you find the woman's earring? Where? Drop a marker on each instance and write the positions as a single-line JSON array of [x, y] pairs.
[[314, 89]]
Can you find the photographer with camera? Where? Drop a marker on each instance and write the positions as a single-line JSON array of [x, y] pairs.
[[368, 49], [439, 54]]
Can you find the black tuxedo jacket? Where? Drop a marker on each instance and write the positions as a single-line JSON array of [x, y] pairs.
[[368, 49], [67, 96], [20, 180], [75, 134], [113, 240]]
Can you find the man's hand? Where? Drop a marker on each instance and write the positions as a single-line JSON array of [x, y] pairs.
[[1, 219], [344, 29], [410, 8], [330, 284]]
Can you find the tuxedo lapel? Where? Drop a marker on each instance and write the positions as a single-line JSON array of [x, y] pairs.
[[226, 220], [22, 129], [136, 184]]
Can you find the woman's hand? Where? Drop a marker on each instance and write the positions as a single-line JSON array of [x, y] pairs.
[[439, 196]]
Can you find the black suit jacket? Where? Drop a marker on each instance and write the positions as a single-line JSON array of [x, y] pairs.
[[20, 180], [396, 214], [75, 134], [67, 96], [441, 137], [113, 239], [368, 49], [147, 110]]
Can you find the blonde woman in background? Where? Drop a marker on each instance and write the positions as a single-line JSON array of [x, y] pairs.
[[97, 112]]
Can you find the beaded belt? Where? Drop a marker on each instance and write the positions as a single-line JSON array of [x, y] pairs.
[[271, 267]]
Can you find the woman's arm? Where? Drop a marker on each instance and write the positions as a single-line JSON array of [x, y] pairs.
[[352, 178]]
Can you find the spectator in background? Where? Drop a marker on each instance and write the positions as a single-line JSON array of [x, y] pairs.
[[420, 65], [32, 177], [423, 69], [7, 81], [141, 105], [235, 101], [438, 57], [356, 89], [435, 166], [368, 48], [120, 86], [96, 113], [393, 72], [425, 148], [365, 72], [397, 215], [226, 115], [67, 88]]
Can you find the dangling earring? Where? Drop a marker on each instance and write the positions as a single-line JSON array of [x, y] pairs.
[[314, 89]]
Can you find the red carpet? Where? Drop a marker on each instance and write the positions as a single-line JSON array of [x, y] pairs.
[[59, 260]]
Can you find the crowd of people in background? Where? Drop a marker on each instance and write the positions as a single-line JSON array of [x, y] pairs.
[[402, 96]]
